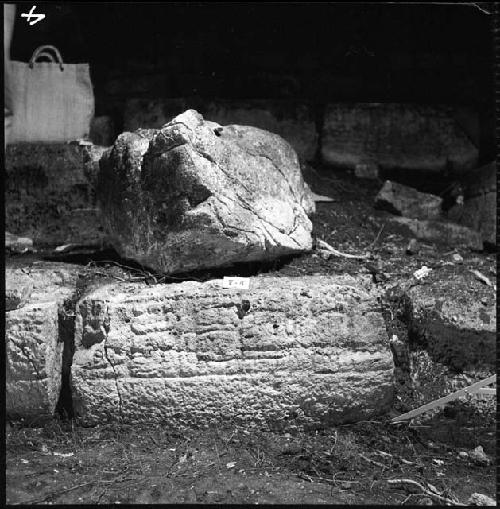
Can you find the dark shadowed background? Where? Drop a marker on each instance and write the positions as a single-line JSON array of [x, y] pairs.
[[316, 52]]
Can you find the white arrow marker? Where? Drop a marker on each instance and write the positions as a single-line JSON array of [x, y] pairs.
[[31, 14]]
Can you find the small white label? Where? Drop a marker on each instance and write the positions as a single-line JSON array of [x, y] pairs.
[[236, 283]]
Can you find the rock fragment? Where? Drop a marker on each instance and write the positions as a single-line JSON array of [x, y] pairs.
[[408, 202], [197, 195], [442, 232], [448, 319]]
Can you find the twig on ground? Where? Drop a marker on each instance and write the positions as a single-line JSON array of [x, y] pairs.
[[373, 461], [408, 497], [406, 462], [372, 245], [306, 477], [110, 275], [334, 480], [423, 489], [386, 454], [334, 251], [218, 457], [481, 277], [101, 495]]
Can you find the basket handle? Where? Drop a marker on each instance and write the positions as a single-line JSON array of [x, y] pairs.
[[46, 54], [41, 52]]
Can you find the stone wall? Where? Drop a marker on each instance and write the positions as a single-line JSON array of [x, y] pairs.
[[396, 137], [401, 137]]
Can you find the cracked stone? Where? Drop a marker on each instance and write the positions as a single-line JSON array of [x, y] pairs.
[[312, 351], [34, 350]]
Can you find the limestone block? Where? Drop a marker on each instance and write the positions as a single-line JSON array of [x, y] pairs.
[[444, 232], [408, 202], [396, 137], [454, 319], [34, 348], [34, 359], [368, 171], [288, 351]]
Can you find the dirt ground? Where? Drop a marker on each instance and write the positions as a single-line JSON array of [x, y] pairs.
[[61, 462]]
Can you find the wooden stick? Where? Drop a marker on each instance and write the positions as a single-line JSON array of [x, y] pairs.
[[481, 277], [332, 250], [424, 490], [378, 236], [450, 397], [487, 391], [373, 461]]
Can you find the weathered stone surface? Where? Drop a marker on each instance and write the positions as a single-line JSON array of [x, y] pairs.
[[33, 345], [366, 171], [455, 320], [479, 213], [48, 281], [480, 499], [17, 244], [198, 195], [286, 352], [49, 193], [18, 288], [293, 121], [442, 232], [34, 360], [479, 209], [396, 137], [408, 202]]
